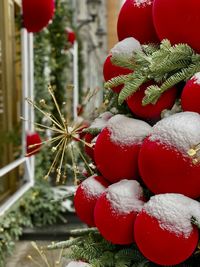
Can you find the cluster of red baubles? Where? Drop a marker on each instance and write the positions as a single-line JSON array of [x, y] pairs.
[[158, 155]]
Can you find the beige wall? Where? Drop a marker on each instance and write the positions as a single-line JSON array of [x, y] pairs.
[[113, 7]]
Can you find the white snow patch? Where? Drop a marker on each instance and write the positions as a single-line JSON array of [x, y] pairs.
[[127, 131], [124, 196], [101, 121], [140, 3], [181, 130], [196, 78], [126, 46], [92, 187], [78, 264], [174, 212]]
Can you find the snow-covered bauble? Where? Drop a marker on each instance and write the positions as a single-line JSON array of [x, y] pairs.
[[117, 147], [96, 126], [116, 210], [37, 14], [163, 230], [78, 264], [126, 47], [151, 111], [178, 21], [168, 159], [86, 196], [135, 19], [190, 98], [33, 143]]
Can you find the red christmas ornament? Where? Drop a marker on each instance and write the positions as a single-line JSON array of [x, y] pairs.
[[116, 209], [135, 19], [71, 36], [89, 150], [190, 98], [37, 14], [151, 111], [163, 231], [168, 159], [33, 144], [183, 23], [117, 148], [110, 71], [86, 196]]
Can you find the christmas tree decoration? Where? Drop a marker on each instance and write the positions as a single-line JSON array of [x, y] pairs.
[[135, 19], [190, 98], [86, 197], [183, 22], [95, 128], [70, 35], [126, 47], [163, 230], [78, 264], [151, 111], [117, 148], [116, 209], [33, 144], [168, 159], [36, 14]]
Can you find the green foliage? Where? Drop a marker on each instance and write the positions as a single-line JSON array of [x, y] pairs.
[[36, 208], [165, 65]]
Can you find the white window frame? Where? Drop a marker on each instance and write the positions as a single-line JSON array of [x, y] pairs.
[[28, 115]]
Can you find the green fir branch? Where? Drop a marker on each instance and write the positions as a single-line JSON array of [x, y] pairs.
[[118, 80], [123, 60]]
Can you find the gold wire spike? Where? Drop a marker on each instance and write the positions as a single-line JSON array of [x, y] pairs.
[[193, 153], [62, 140]]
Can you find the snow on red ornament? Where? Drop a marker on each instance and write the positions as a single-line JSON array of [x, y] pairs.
[[163, 230], [127, 47], [37, 14], [151, 111], [98, 124], [33, 144], [117, 148], [71, 36], [116, 209], [135, 19], [183, 23], [86, 197], [78, 264], [166, 159], [190, 98]]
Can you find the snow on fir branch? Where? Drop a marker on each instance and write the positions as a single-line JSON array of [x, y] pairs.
[[166, 65]]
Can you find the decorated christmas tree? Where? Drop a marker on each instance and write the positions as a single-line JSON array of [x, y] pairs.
[[141, 204]]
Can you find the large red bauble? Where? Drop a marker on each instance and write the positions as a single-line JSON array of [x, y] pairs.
[[35, 140], [110, 71], [135, 19], [117, 148], [37, 14], [164, 164], [161, 246], [116, 209], [183, 23], [151, 111], [86, 197], [190, 98]]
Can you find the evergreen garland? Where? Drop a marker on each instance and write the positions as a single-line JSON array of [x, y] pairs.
[[166, 65]]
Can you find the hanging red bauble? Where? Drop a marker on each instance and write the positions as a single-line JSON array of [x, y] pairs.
[[183, 23], [165, 161], [190, 98], [116, 209], [163, 231], [86, 196], [71, 36], [135, 19], [33, 144], [37, 14], [117, 148], [89, 150], [151, 111]]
